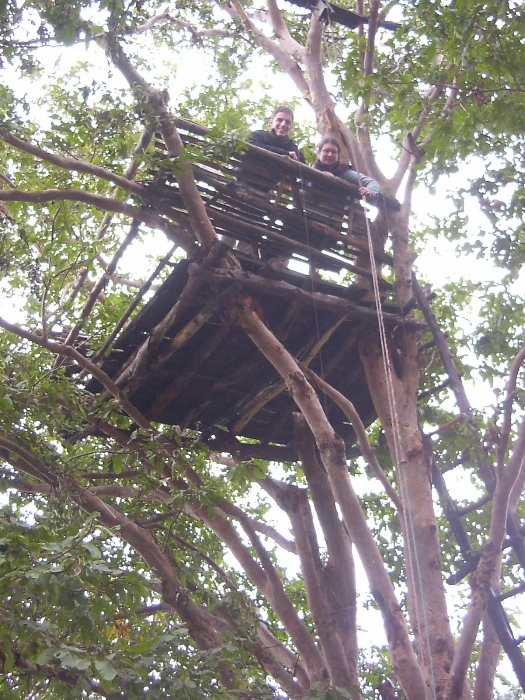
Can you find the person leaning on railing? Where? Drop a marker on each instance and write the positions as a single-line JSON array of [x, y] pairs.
[[277, 137], [328, 153]]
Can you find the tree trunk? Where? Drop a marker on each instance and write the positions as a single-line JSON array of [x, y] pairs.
[[395, 401]]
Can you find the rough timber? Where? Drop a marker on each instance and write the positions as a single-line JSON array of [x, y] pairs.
[[182, 362]]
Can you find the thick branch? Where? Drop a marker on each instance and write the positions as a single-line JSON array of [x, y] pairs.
[[333, 455], [266, 579], [293, 47], [366, 448], [282, 57], [483, 576], [189, 192], [294, 502], [175, 233], [338, 583]]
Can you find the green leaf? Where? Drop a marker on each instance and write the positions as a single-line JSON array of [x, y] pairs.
[[106, 670]]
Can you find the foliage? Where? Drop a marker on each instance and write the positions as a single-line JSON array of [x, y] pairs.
[[89, 607]]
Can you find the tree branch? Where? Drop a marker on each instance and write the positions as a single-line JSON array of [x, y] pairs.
[[74, 165], [52, 673], [68, 351], [294, 502], [508, 401], [130, 173], [291, 46], [198, 215], [195, 34], [366, 448], [288, 64], [332, 452], [483, 576], [148, 217], [199, 620], [338, 576], [266, 579]]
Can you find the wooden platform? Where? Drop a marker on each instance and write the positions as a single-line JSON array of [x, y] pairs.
[[180, 362], [271, 202]]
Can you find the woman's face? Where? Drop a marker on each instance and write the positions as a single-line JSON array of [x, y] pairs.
[[328, 154]]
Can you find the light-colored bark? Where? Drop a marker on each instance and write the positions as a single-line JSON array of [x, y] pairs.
[[265, 577], [488, 662], [484, 575], [295, 503], [337, 580], [332, 454], [396, 405], [198, 216]]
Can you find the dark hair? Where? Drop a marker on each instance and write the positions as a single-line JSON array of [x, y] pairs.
[[282, 108], [331, 140]]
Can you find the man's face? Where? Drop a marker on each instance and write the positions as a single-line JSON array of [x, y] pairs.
[[281, 124], [328, 154]]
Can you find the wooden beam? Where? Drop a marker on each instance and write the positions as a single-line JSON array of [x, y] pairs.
[[268, 393], [179, 383], [241, 193], [137, 376], [282, 289], [139, 358]]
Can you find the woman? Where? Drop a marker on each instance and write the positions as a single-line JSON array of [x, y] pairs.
[[328, 162]]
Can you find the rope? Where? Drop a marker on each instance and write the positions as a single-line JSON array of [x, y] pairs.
[[398, 451], [401, 461]]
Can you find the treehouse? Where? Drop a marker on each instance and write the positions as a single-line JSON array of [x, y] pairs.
[[301, 243], [295, 233]]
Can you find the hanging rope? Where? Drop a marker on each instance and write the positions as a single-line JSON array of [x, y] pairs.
[[399, 455]]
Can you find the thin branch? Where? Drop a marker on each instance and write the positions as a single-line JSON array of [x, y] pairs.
[[52, 672], [407, 149], [136, 301], [508, 401], [68, 351], [361, 116], [167, 18], [219, 570], [131, 171], [73, 164], [175, 233], [145, 610], [275, 535]]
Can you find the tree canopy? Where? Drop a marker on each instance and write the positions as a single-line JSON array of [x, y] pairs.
[[138, 558]]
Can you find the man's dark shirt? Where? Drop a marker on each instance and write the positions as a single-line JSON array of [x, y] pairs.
[[270, 142]]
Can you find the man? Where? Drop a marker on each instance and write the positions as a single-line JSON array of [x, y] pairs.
[[277, 138]]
